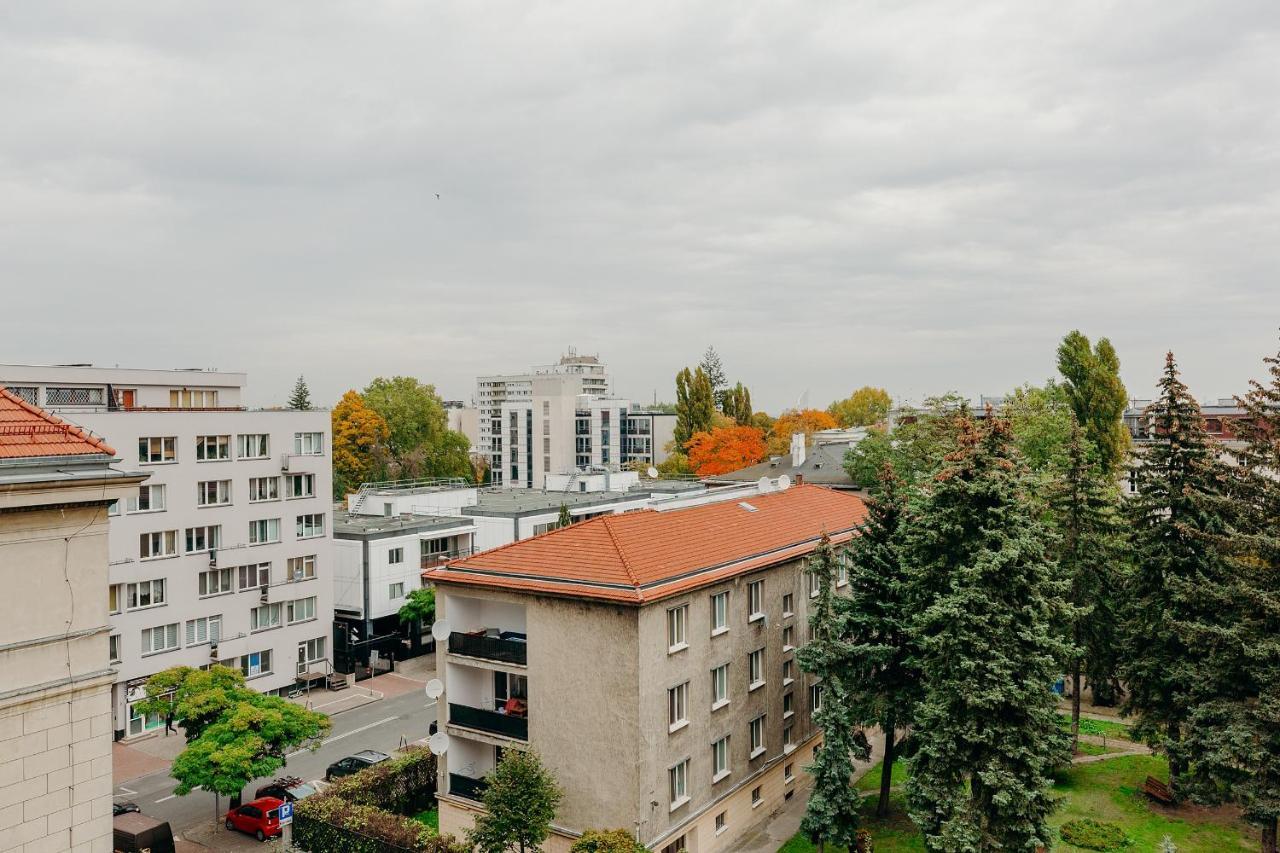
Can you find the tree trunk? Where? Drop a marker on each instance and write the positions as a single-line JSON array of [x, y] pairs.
[[886, 770], [1075, 707], [1269, 836]]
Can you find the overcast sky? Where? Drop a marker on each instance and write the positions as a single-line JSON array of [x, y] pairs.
[[924, 196]]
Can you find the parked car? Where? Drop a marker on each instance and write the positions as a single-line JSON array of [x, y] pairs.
[[288, 788], [260, 818], [134, 832], [123, 808], [354, 763]]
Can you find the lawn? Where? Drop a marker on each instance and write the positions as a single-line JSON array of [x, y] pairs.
[[871, 781], [1101, 728], [1104, 790], [431, 817]]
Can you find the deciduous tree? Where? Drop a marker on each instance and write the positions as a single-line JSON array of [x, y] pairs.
[[915, 447], [520, 802], [1041, 419], [1097, 396], [863, 407], [725, 449], [419, 607], [413, 411], [807, 421], [359, 444], [736, 404], [606, 841], [695, 405]]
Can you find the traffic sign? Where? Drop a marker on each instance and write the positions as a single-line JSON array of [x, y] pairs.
[[286, 814]]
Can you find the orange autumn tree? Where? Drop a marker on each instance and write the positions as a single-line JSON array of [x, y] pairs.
[[725, 449], [359, 444], [807, 421]]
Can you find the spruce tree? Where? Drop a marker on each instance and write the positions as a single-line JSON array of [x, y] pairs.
[[831, 815], [300, 399], [1233, 730], [876, 617], [986, 728], [1084, 502], [1178, 568]]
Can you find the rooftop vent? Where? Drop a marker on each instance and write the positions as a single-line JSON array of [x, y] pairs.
[[748, 507]]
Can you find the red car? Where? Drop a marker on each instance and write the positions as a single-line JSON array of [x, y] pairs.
[[260, 818]]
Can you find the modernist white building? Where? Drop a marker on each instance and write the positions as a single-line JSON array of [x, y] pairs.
[[225, 555]]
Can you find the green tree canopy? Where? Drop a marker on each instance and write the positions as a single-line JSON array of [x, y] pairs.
[[300, 399], [607, 841], [419, 606], [413, 411], [695, 405], [520, 800], [360, 439], [736, 404], [713, 367], [1041, 419], [194, 697], [1097, 396], [864, 407], [916, 445]]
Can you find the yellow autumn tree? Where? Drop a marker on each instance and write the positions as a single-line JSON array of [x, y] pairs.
[[359, 444], [807, 421]]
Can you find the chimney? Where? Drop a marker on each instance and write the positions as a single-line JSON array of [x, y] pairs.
[[799, 479], [797, 449]]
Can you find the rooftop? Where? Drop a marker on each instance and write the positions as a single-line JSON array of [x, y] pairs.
[[27, 432], [644, 556], [522, 501], [364, 525], [823, 465]]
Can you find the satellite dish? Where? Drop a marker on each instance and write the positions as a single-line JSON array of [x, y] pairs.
[[435, 688], [440, 630], [765, 485], [784, 483], [438, 743], [651, 472]]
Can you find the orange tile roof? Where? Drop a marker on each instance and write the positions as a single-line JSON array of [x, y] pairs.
[[27, 431], [643, 556]]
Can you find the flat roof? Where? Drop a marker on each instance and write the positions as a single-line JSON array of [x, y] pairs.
[[369, 525], [526, 501]]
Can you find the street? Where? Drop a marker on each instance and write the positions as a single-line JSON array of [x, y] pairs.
[[384, 725]]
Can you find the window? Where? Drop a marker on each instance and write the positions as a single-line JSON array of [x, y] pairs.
[[149, 499], [678, 707], [720, 759], [788, 668], [264, 531], [264, 489], [308, 443], [677, 846], [215, 582], [27, 393], [113, 508], [815, 584], [395, 556], [395, 590], [157, 450], [788, 638], [75, 396], [113, 599], [254, 445], [311, 650], [815, 696], [842, 571], [719, 613], [161, 639], [300, 486], [213, 493], [789, 773], [788, 705], [213, 448], [206, 629], [255, 664], [787, 743], [264, 617], [113, 648], [679, 784], [310, 525], [677, 620], [254, 575], [755, 669], [755, 600], [756, 799], [721, 823], [788, 604], [203, 538], [720, 686], [756, 727], [301, 609], [302, 568], [144, 594], [185, 398]]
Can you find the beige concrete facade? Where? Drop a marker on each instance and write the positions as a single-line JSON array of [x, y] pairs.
[[598, 681]]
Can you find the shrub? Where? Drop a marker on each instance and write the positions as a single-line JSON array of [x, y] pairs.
[[406, 784], [606, 841], [1094, 835]]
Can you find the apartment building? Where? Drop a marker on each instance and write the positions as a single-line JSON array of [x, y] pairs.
[[56, 483], [225, 554], [658, 645]]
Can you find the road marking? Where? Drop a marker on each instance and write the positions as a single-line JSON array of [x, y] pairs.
[[346, 734], [166, 799], [125, 790]]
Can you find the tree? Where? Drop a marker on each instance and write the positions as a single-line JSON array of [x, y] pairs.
[[915, 447], [300, 399], [1084, 505], [807, 421], [986, 728], [1177, 567], [413, 411], [520, 802], [1041, 420], [695, 405], [725, 449], [714, 369], [877, 615], [606, 841], [832, 812], [1097, 396], [193, 697], [864, 407], [565, 518], [762, 421], [736, 404], [359, 444], [449, 455], [419, 607]]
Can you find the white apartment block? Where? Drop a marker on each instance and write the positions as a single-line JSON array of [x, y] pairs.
[[225, 554]]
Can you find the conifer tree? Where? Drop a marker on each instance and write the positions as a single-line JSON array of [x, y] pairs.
[[986, 728], [300, 399], [876, 616], [1233, 731], [1173, 520], [831, 815], [1084, 501]]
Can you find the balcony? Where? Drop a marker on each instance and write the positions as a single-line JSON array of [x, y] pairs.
[[430, 561], [465, 786], [493, 722], [508, 647]]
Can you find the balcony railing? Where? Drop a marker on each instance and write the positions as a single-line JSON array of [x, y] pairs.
[[506, 725], [465, 786], [489, 648], [430, 561]]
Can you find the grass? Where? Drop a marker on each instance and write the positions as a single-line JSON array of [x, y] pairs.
[[1099, 728], [1103, 790], [871, 781], [431, 817], [1086, 748]]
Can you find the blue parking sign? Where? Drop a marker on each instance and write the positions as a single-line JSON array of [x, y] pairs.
[[286, 814]]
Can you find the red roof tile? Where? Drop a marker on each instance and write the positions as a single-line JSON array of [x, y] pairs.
[[642, 556], [27, 431]]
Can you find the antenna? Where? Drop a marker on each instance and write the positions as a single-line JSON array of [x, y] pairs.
[[784, 483], [765, 485], [435, 688], [440, 630], [652, 472], [438, 743]]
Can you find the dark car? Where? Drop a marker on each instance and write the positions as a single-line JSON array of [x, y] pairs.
[[134, 832], [123, 808], [288, 788], [260, 818], [354, 763]]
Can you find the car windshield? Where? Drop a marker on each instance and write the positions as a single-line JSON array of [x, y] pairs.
[[300, 791]]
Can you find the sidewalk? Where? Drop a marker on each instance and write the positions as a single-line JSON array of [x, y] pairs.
[[144, 756]]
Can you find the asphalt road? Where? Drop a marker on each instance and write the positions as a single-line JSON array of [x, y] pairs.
[[381, 725]]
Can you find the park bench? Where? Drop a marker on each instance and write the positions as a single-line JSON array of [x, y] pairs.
[[1157, 790]]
